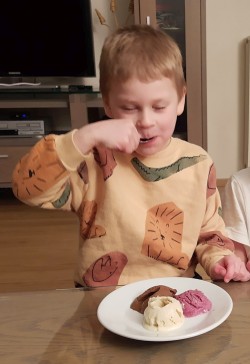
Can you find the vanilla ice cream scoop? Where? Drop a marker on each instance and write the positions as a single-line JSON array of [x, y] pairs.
[[163, 314]]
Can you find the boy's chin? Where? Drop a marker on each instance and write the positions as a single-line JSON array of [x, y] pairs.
[[146, 152]]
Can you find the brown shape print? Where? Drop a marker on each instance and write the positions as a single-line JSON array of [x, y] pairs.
[[106, 270], [83, 172], [163, 235], [87, 214], [105, 159], [215, 238], [41, 161], [211, 182]]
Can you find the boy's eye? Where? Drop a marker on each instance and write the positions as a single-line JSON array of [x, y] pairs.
[[128, 108], [159, 107]]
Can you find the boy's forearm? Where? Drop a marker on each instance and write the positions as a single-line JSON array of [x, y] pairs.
[[90, 136], [84, 139]]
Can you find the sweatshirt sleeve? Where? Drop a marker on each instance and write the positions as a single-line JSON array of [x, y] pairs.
[[213, 243], [44, 177]]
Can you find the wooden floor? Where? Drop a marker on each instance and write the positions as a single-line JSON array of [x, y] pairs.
[[37, 247]]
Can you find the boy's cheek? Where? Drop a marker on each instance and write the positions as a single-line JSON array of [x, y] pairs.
[[124, 115]]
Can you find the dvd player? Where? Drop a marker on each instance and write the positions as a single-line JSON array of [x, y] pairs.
[[22, 127]]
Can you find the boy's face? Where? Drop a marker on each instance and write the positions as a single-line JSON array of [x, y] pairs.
[[153, 106]]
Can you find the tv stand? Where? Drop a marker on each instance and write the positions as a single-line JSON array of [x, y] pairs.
[[27, 87], [61, 110], [79, 88], [31, 88]]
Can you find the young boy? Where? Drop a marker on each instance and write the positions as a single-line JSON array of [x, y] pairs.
[[147, 202], [236, 212]]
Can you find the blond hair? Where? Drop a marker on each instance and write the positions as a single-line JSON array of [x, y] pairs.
[[143, 52]]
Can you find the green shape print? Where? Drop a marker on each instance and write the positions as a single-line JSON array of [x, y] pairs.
[[151, 174]]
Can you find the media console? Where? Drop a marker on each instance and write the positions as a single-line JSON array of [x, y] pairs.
[[27, 88], [59, 110]]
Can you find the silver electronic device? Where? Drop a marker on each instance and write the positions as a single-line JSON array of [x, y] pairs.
[[21, 127]]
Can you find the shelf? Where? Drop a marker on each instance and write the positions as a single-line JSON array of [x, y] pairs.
[[46, 90], [60, 111], [33, 104], [97, 102], [19, 141]]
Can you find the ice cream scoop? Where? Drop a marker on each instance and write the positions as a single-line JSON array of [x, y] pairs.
[[140, 303], [163, 314], [194, 302]]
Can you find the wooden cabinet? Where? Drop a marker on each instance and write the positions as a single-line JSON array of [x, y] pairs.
[[9, 156], [60, 111]]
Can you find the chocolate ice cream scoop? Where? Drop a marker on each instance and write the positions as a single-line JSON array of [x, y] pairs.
[[141, 302]]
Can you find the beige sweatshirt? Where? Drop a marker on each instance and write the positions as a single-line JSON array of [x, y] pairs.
[[140, 217]]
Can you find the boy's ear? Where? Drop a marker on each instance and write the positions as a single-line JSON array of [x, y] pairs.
[[107, 108], [181, 103]]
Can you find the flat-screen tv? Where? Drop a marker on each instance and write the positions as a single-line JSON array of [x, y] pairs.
[[46, 38]]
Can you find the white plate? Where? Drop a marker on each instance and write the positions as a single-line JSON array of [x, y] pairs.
[[115, 314]]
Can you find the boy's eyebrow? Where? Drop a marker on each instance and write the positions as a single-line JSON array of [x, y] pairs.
[[128, 100]]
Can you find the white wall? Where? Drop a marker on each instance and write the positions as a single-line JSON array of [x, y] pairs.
[[100, 32], [227, 26]]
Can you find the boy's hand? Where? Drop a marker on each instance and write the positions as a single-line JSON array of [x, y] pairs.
[[230, 268], [117, 134], [248, 265]]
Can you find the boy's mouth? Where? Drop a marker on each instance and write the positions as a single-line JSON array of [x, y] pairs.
[[145, 140]]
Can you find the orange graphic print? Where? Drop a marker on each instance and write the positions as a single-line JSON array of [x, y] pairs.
[[30, 170], [87, 214], [163, 235], [106, 270], [105, 159]]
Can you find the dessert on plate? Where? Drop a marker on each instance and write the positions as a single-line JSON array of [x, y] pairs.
[[163, 309], [194, 302], [141, 302], [163, 314]]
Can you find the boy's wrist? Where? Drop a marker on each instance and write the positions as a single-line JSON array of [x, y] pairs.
[[67, 151], [83, 139]]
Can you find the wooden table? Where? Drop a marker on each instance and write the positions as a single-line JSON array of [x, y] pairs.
[[61, 326]]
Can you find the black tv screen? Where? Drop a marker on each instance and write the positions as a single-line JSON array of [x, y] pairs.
[[46, 38]]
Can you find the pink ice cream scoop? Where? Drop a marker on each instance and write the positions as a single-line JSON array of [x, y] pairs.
[[194, 302]]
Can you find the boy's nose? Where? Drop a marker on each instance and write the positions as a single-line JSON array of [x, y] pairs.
[[144, 119]]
